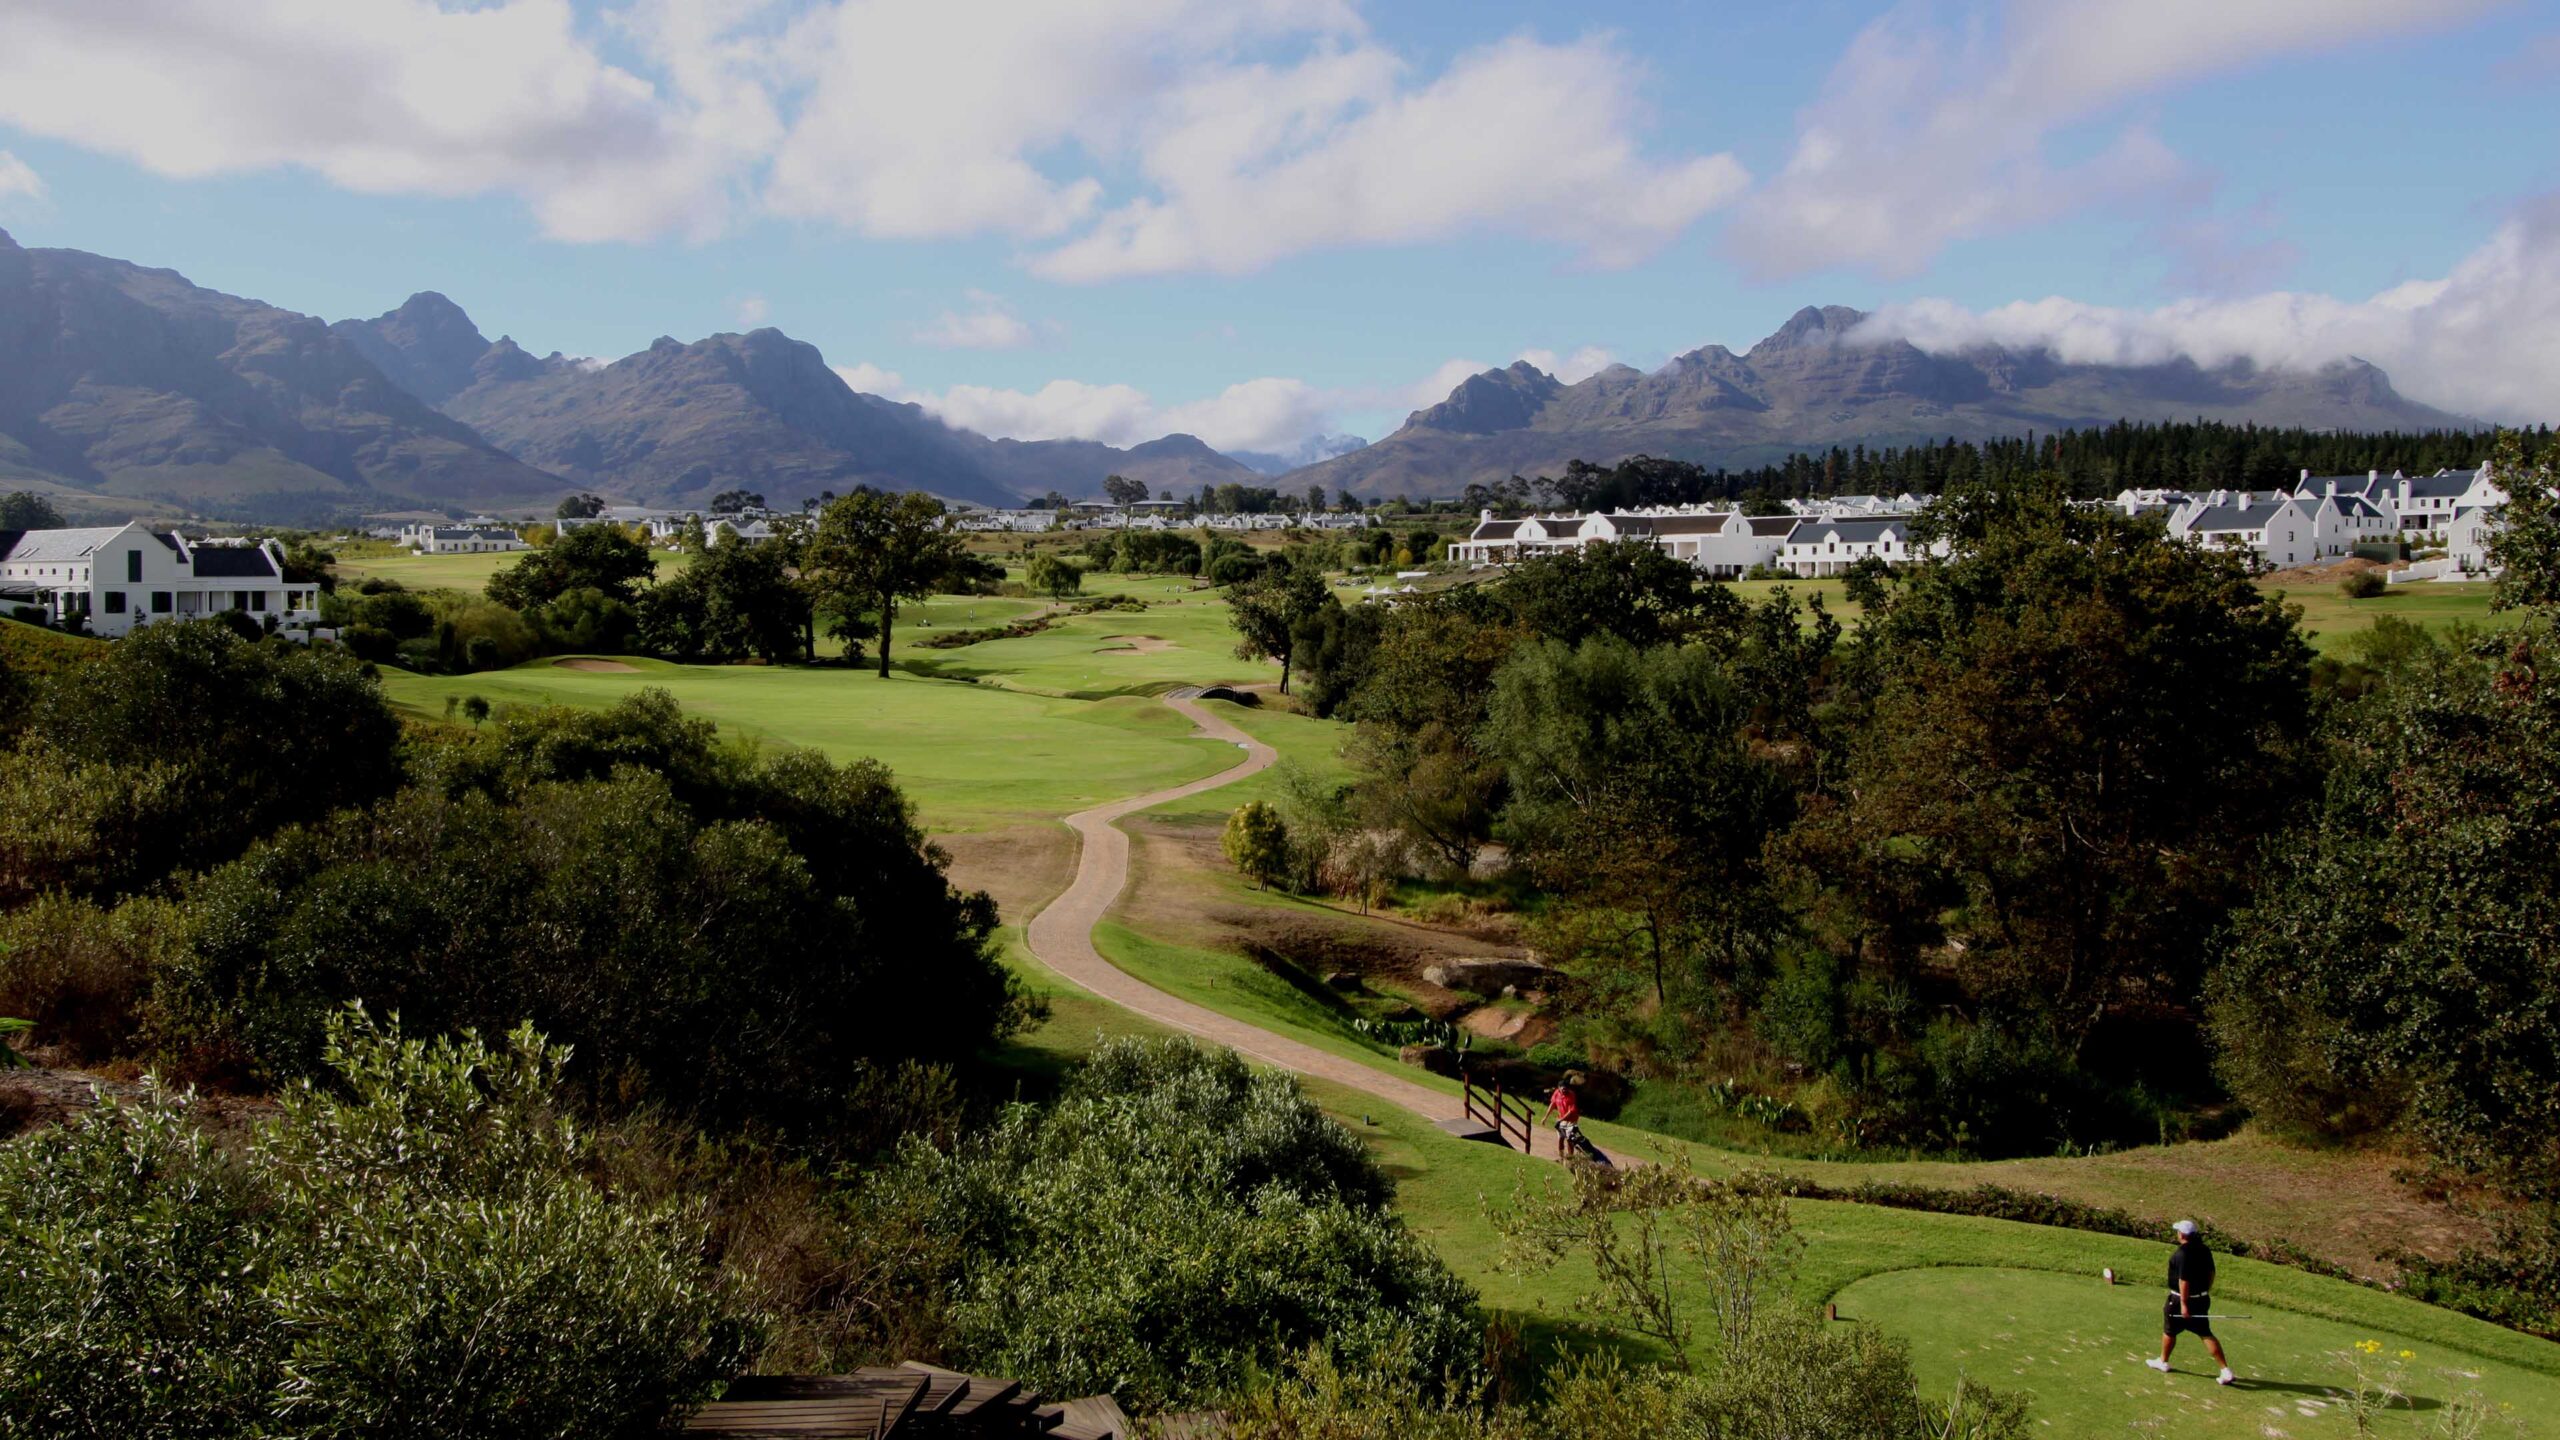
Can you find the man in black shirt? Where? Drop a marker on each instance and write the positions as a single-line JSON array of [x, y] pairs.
[[2190, 1306]]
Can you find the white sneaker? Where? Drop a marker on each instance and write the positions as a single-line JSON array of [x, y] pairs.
[[2226, 1377], [2160, 1365]]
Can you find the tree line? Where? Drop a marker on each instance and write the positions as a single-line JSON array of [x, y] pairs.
[[2178, 455]]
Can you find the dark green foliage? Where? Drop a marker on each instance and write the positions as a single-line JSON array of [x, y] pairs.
[[871, 551], [2401, 960], [178, 746], [26, 510], [2363, 585], [414, 1252], [736, 599], [1271, 608], [1175, 1221], [1332, 650], [588, 557], [731, 955], [579, 507], [2524, 544], [1630, 589], [1049, 575], [2080, 732], [1634, 788], [1152, 552]]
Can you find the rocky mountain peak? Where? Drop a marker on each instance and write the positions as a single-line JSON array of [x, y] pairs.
[[1811, 327], [1507, 399]]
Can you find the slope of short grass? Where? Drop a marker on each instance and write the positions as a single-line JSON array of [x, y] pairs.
[[1183, 637], [970, 756], [2332, 619], [458, 572], [34, 650], [1312, 746]]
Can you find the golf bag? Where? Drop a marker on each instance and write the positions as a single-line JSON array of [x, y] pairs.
[[1576, 1145]]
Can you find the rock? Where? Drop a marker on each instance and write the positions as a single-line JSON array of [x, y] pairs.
[[1487, 977], [1438, 1059]]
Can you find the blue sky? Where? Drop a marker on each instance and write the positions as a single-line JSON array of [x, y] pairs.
[[1264, 218]]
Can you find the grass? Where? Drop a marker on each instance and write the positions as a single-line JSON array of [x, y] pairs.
[[1312, 746], [457, 572], [34, 650], [2331, 619], [970, 756], [1182, 638]]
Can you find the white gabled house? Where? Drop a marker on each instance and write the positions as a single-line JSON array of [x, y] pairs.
[[1831, 547], [461, 539], [115, 578], [2279, 532]]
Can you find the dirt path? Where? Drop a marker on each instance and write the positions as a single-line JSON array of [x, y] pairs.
[[1061, 937]]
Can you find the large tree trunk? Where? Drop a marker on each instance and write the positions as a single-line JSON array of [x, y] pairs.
[[888, 617]]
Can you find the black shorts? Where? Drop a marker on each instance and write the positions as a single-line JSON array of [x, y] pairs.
[[2172, 1323]]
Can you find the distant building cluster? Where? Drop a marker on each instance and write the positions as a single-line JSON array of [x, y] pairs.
[[2322, 517], [1147, 515], [112, 580]]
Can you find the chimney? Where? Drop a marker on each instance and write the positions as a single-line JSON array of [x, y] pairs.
[[2333, 486], [1485, 516], [2306, 479], [2370, 476]]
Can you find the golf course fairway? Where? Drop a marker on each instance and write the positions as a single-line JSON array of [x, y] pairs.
[[2077, 1347]]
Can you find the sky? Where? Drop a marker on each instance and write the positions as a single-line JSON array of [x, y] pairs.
[[1259, 221]]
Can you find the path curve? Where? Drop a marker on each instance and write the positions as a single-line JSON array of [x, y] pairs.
[[1061, 937]]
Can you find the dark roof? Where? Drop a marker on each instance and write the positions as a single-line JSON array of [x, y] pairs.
[[1495, 530], [1689, 524], [233, 562], [2439, 487], [1632, 524], [1855, 532], [2236, 517], [1774, 524]]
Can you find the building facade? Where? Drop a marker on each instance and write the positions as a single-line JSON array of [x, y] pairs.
[[111, 580]]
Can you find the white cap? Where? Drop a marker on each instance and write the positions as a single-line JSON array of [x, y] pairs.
[[2185, 1227]]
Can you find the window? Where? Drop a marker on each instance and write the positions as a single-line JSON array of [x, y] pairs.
[[115, 602], [239, 599], [258, 600], [133, 567], [159, 602]]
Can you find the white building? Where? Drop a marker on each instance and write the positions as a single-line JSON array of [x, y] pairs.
[[113, 579], [1831, 547], [460, 539], [2280, 532]]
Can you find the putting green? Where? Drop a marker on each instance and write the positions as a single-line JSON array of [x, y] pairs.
[[2078, 1348]]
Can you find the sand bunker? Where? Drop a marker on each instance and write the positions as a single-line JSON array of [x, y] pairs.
[[1133, 645], [576, 663]]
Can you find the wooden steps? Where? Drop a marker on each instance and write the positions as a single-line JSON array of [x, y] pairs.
[[911, 1402]]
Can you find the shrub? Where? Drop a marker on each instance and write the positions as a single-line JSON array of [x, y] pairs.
[[2363, 585], [423, 1257], [1175, 1223], [82, 976], [1256, 842], [1049, 575]]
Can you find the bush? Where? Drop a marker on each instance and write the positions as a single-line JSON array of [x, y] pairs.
[[1256, 842], [1175, 1223], [1234, 568], [2363, 585], [81, 975], [423, 1257], [1049, 575]]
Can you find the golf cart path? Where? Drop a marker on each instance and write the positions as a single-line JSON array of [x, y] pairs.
[[1061, 937]]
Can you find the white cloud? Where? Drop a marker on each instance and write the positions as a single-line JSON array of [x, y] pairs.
[[986, 325], [1253, 163], [1272, 413], [18, 181], [1921, 137], [1572, 369], [397, 96], [2484, 340], [752, 310]]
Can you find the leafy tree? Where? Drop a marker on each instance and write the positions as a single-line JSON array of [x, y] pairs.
[[1631, 589], [414, 1250], [1635, 788], [579, 507], [2399, 969], [1175, 1223], [872, 550], [1268, 612], [1124, 491], [1332, 649], [172, 729], [603, 558], [1049, 575], [2082, 729], [26, 510], [736, 599], [730, 502], [2524, 544], [1256, 842]]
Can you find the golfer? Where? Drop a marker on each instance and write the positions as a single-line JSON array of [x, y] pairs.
[[1566, 1106], [2190, 1306]]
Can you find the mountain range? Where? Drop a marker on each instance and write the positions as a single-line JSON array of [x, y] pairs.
[[1819, 382], [128, 388]]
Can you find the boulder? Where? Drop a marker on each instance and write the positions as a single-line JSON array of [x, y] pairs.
[[1488, 977]]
